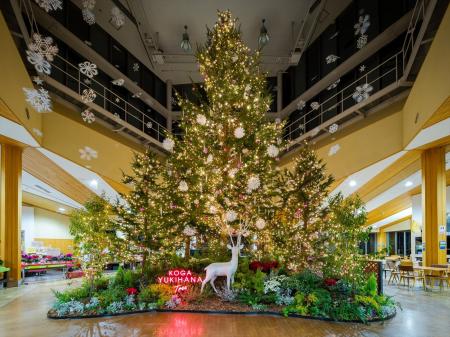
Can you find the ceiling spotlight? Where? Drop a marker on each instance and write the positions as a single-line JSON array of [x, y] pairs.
[[185, 43], [352, 183], [263, 35], [93, 183], [409, 183], [61, 209]]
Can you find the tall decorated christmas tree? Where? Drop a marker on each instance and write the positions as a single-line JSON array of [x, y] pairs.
[[222, 172]]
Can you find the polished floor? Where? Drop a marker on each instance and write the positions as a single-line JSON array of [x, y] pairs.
[[23, 313]]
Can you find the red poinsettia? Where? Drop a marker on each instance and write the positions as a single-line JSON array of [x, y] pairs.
[[263, 266], [330, 282], [132, 291]]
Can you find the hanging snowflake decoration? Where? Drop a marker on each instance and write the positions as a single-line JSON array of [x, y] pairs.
[[331, 58], [362, 92], [39, 99], [37, 132], [333, 128], [119, 82], [49, 5], [232, 172], [88, 153], [334, 84], [253, 183], [43, 46], [89, 4], [239, 132], [88, 116], [315, 105], [361, 42], [168, 144], [201, 119], [300, 105], [148, 125], [135, 67], [117, 100], [189, 231], [362, 68], [38, 80], [117, 17], [260, 223], [273, 151], [137, 95], [334, 149], [88, 95], [87, 81], [89, 69], [117, 117], [40, 63], [183, 186], [362, 25], [230, 216], [88, 16]]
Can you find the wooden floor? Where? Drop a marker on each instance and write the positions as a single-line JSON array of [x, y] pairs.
[[23, 314]]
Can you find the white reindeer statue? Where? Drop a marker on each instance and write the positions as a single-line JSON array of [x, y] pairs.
[[227, 269]]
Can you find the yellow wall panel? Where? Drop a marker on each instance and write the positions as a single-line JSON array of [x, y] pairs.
[[64, 245]]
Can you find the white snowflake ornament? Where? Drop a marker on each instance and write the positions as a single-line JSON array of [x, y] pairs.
[[239, 132], [88, 16], [39, 99], [212, 209], [362, 68], [253, 183], [40, 63], [168, 144], [230, 216], [362, 25], [119, 82], [234, 58], [183, 186], [89, 69], [43, 46], [49, 5], [315, 105], [362, 92], [334, 149], [88, 153], [88, 95], [201, 119], [88, 116], [89, 4], [260, 223], [38, 80], [333, 128], [117, 17], [331, 58], [361, 42], [148, 125], [334, 84], [273, 151], [300, 105], [135, 67]]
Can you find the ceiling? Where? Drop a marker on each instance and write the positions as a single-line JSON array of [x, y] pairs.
[[164, 20]]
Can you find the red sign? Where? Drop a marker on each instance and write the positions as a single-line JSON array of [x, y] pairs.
[[179, 276]]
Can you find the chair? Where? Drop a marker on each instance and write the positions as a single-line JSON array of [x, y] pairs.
[[408, 273], [441, 276], [395, 273]]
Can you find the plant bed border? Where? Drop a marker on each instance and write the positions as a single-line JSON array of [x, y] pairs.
[[224, 312]]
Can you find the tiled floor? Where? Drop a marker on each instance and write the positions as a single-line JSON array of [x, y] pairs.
[[23, 314]]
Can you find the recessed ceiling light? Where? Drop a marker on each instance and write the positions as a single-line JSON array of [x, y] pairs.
[[93, 183], [352, 183], [61, 209], [409, 183]]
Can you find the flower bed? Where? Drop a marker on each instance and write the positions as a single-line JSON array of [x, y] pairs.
[[303, 294]]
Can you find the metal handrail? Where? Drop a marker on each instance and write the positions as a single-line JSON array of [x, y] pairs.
[[300, 124], [116, 100], [408, 42]]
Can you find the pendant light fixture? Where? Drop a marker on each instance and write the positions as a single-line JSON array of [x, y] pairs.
[[263, 35], [185, 43]]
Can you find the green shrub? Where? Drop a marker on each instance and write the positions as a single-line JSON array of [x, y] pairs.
[[75, 294], [111, 295], [306, 281], [370, 288], [126, 278], [159, 293]]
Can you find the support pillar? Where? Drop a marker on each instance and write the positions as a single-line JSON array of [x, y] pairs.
[[11, 209], [381, 240], [433, 206]]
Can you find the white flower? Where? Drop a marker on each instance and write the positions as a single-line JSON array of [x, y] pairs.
[[168, 144], [260, 223], [273, 151], [49, 5], [201, 119], [362, 92], [43, 46], [333, 128], [209, 159], [89, 69], [189, 231], [331, 58], [300, 105], [183, 186], [232, 172], [117, 17], [334, 149], [88, 116], [88, 95], [361, 42], [239, 132], [315, 105], [40, 64], [362, 25], [230, 216], [119, 82], [253, 183], [88, 153], [39, 99]]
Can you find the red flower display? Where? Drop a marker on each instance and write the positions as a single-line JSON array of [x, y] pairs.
[[330, 282], [263, 266], [132, 291]]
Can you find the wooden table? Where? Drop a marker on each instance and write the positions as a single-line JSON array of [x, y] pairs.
[[440, 270]]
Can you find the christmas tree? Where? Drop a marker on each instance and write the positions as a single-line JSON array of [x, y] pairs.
[[222, 171]]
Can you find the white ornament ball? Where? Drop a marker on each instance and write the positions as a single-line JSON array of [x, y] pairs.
[[183, 186], [260, 223], [239, 132], [168, 144], [201, 119], [209, 159], [253, 183], [230, 216], [212, 209], [273, 151]]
